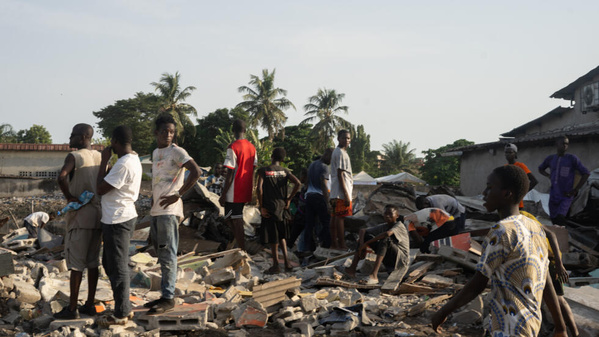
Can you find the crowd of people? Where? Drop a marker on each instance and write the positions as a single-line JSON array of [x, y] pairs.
[[520, 256]]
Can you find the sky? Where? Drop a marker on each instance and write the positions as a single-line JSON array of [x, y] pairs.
[[423, 72]]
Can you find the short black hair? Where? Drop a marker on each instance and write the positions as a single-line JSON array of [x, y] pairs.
[[420, 201], [279, 154], [85, 129], [238, 126], [391, 207], [165, 118], [342, 132], [122, 134], [514, 179]]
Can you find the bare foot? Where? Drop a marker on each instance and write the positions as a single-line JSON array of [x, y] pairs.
[[273, 270]]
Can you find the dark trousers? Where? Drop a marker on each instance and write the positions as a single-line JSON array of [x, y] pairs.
[[316, 206], [450, 228], [115, 260]]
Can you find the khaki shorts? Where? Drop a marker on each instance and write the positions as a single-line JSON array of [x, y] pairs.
[[82, 248]]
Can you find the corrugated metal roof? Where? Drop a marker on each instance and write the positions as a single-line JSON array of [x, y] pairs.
[[568, 91], [42, 147], [555, 112]]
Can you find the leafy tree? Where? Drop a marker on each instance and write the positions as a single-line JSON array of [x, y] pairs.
[[398, 158], [7, 134], [359, 148], [324, 108], [439, 170], [173, 97], [264, 103], [298, 147], [37, 134], [204, 147], [138, 113]]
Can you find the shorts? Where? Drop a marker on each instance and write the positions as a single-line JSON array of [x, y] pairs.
[[234, 210], [384, 247], [559, 287], [82, 248], [340, 210], [273, 230]]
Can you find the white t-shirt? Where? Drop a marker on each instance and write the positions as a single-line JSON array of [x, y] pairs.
[[167, 178], [118, 205], [37, 218], [340, 160]]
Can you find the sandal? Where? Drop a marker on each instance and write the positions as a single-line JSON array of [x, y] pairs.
[[108, 320]]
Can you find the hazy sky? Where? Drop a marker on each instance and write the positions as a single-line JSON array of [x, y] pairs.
[[424, 72]]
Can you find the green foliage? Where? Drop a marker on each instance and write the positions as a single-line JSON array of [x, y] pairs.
[[439, 170], [138, 113], [359, 148], [7, 134], [323, 108], [173, 98], [37, 134], [265, 103], [398, 158], [298, 147]]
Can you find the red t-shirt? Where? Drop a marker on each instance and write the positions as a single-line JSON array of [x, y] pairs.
[[241, 157]]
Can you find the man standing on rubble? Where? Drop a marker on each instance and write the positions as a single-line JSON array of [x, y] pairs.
[[168, 185], [240, 162], [563, 167], [342, 183], [84, 231], [119, 189]]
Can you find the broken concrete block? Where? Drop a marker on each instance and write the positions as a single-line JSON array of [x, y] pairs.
[[61, 265], [220, 276], [579, 261], [294, 317], [187, 317], [309, 303], [351, 323], [80, 323], [155, 280], [232, 294], [251, 313], [8, 282], [26, 293], [437, 280]]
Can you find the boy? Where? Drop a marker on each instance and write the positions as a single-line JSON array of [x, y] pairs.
[[515, 259], [168, 185], [450, 205], [214, 183], [273, 201], [37, 220], [511, 154], [119, 189], [342, 183], [435, 220], [389, 241]]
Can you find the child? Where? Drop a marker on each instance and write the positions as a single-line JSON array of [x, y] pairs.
[[515, 259], [389, 241], [434, 219], [274, 200]]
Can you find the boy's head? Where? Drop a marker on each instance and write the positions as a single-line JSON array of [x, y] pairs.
[[238, 126], [344, 138], [278, 154], [506, 186], [422, 202], [122, 135], [511, 152], [52, 216], [391, 214], [326, 156], [218, 169], [81, 136], [562, 144], [165, 130]]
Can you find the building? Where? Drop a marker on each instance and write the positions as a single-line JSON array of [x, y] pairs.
[[31, 169], [536, 139]]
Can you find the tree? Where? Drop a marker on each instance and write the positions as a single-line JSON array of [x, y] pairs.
[[360, 147], [398, 158], [298, 147], [204, 147], [173, 97], [324, 107], [138, 113], [37, 134], [7, 134], [439, 170], [264, 103]]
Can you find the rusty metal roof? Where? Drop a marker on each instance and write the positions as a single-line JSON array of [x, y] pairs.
[[42, 147]]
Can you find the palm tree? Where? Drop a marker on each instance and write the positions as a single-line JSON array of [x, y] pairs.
[[324, 107], [173, 97], [263, 103], [398, 157]]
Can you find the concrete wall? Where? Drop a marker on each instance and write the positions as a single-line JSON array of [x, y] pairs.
[[476, 165], [26, 187], [40, 162]]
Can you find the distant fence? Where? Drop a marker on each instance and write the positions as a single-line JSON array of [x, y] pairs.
[[11, 186]]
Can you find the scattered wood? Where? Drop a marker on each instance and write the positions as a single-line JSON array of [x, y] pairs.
[[327, 261], [580, 245], [413, 288], [393, 282], [272, 293], [465, 259], [419, 272], [327, 281], [420, 307], [475, 247], [198, 258]]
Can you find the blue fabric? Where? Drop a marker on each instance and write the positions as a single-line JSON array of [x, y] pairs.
[[165, 239], [563, 171], [316, 171], [115, 260]]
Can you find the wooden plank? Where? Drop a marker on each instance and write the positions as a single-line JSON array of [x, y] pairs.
[[393, 282], [418, 272], [411, 288], [327, 281], [420, 307], [327, 261], [274, 292], [583, 247], [475, 247], [199, 258], [465, 259]]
